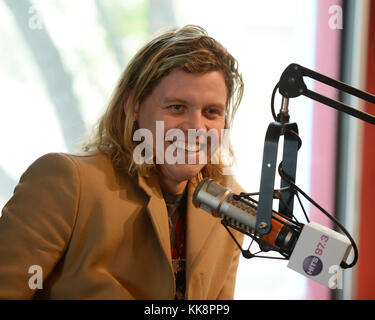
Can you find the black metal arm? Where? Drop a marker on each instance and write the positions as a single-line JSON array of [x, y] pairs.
[[291, 85]]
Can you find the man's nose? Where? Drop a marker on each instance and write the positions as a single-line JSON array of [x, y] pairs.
[[195, 120]]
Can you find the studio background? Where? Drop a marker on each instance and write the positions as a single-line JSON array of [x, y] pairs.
[[61, 59]]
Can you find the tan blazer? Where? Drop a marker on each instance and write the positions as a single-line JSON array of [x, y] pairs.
[[97, 234]]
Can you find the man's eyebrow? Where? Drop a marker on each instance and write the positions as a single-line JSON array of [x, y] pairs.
[[168, 100], [174, 100]]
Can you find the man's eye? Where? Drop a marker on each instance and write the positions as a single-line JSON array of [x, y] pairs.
[[213, 111], [175, 107]]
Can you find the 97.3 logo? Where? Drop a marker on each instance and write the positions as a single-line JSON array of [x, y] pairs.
[[313, 265]]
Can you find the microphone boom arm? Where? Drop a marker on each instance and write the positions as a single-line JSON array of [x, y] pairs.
[[291, 85]]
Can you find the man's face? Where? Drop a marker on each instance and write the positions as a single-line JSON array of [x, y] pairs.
[[184, 101]]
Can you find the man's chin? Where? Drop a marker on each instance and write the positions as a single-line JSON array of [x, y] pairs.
[[182, 172]]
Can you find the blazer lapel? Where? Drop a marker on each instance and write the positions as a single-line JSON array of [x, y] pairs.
[[157, 211]]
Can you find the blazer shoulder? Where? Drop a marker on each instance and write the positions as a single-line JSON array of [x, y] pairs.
[[87, 159], [91, 162], [51, 164]]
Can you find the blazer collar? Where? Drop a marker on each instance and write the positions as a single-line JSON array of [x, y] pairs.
[[158, 213]]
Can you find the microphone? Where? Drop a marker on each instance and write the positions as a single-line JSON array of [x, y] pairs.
[[221, 202], [313, 250]]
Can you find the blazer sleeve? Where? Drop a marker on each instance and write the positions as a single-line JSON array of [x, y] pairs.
[[36, 224]]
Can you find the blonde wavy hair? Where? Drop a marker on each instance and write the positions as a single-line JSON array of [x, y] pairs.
[[189, 49]]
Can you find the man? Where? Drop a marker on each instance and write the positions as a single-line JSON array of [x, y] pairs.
[[118, 222]]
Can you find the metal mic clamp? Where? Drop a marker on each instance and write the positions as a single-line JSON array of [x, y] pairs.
[[292, 143]]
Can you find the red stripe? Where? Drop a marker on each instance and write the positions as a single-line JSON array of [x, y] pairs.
[[366, 262]]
